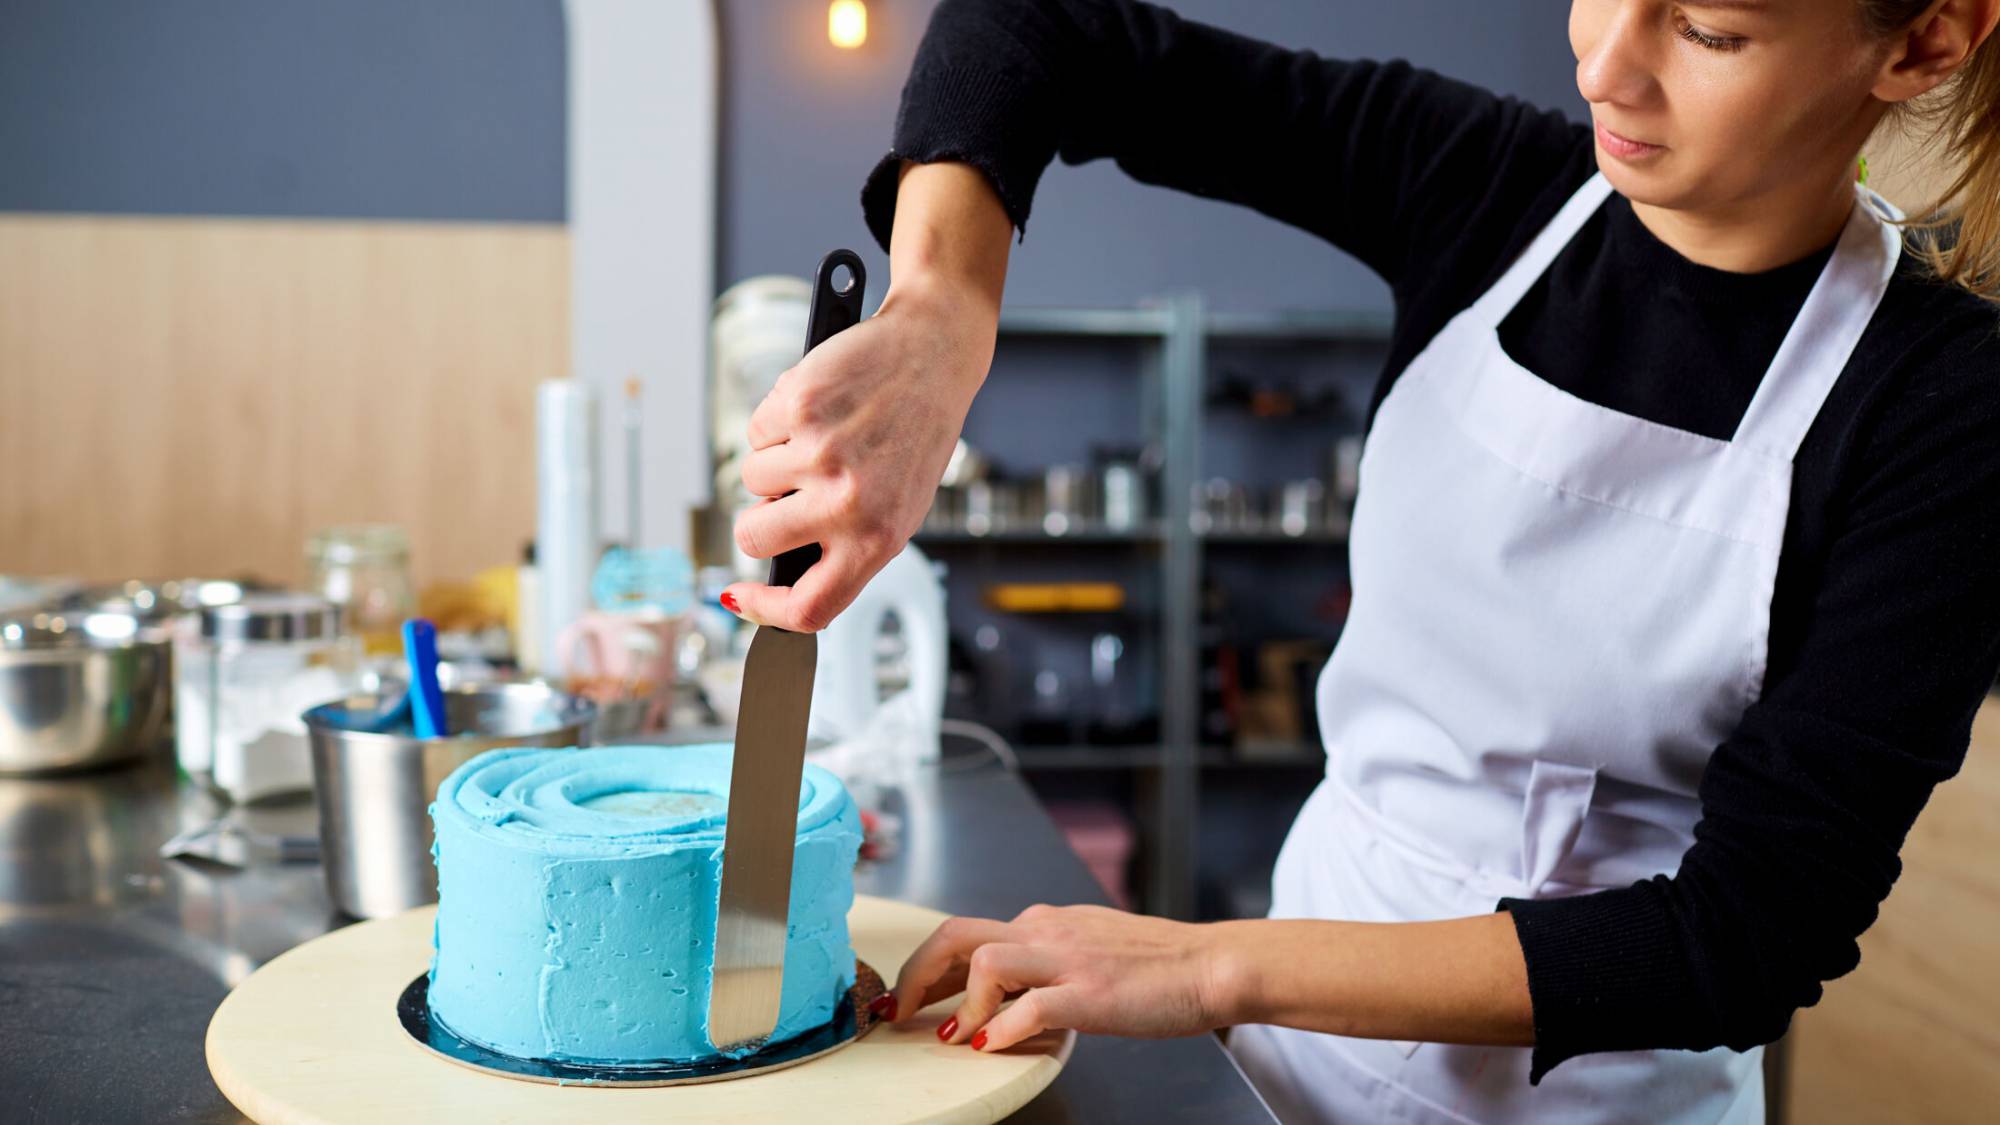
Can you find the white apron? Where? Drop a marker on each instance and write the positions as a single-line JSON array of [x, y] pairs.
[[1559, 611]]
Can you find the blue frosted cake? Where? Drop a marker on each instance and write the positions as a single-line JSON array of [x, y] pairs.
[[577, 892]]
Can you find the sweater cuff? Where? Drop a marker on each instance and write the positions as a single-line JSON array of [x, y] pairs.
[[973, 116], [1606, 972]]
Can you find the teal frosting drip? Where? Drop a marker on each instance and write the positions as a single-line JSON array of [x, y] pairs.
[[577, 893]]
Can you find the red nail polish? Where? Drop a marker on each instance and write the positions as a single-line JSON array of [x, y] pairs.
[[948, 1029], [883, 1007], [729, 602], [979, 1040]]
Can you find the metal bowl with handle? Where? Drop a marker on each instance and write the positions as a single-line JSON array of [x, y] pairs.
[[79, 690]]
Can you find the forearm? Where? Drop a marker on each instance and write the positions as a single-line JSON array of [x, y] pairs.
[[1457, 981], [1008, 86]]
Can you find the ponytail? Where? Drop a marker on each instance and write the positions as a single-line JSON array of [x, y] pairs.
[[1960, 236]]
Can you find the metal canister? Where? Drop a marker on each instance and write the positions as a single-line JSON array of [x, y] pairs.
[[1063, 501], [982, 510], [1220, 505], [1124, 496], [1301, 507], [375, 787]]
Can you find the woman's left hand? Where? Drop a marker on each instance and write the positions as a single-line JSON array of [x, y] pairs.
[[1085, 967]]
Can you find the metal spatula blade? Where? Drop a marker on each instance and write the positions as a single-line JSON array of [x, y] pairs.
[[753, 910]]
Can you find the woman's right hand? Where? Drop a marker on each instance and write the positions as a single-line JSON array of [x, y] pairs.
[[848, 447]]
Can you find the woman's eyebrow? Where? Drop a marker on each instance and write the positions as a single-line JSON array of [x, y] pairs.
[[1729, 5]]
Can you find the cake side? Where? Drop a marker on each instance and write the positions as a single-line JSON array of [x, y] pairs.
[[578, 889]]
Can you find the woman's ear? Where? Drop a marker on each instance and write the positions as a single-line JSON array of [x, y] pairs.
[[1934, 47]]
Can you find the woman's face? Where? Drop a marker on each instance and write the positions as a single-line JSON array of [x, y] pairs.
[[1706, 107]]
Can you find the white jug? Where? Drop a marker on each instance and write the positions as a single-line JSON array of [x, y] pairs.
[[846, 695]]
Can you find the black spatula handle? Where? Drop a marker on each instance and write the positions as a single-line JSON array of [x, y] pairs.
[[835, 307]]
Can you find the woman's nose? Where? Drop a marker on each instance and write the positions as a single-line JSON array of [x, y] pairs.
[[1614, 50]]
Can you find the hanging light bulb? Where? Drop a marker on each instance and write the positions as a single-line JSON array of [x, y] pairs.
[[847, 23]]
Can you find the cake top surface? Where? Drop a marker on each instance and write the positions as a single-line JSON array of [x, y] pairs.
[[612, 799]]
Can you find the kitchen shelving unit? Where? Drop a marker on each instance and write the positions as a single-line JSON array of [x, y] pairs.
[[1177, 336]]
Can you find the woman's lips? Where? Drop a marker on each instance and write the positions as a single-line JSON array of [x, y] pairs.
[[1625, 148]]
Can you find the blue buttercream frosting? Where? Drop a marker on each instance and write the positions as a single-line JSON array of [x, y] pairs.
[[576, 901]]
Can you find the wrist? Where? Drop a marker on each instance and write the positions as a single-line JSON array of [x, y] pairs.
[[950, 303], [954, 304], [1228, 976]]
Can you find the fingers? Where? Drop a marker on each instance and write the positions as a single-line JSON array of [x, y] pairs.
[[776, 469], [997, 970], [771, 527], [771, 422], [827, 587], [943, 988], [939, 966], [1035, 1012]]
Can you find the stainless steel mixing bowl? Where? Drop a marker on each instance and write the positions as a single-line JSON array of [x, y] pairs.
[[375, 788], [155, 602], [79, 690]]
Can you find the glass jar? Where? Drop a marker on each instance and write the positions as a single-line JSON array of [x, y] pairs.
[[244, 673], [365, 570]]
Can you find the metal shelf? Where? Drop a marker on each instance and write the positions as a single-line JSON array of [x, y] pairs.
[[1358, 326], [1338, 327], [1035, 759], [1176, 337], [1088, 535], [1101, 323], [1303, 755], [1324, 538]]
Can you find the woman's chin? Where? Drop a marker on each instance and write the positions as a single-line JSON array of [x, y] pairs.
[[1653, 185]]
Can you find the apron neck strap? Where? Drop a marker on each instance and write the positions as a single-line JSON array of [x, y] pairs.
[[1493, 306], [1822, 337], [1815, 349]]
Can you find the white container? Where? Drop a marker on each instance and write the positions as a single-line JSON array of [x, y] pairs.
[[566, 541], [243, 675]]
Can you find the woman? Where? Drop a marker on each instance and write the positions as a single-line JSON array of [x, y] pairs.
[[1671, 561]]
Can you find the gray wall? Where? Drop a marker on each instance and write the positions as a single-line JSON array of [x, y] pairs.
[[803, 124], [444, 109], [453, 109]]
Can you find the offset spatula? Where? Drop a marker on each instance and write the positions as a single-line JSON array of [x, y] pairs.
[[757, 843]]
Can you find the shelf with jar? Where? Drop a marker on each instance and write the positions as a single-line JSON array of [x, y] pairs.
[[1102, 450]]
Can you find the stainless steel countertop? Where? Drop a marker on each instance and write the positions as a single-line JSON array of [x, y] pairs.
[[112, 959]]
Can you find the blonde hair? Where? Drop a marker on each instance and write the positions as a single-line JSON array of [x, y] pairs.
[[1960, 237]]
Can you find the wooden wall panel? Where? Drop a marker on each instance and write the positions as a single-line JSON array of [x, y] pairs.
[[195, 396], [1914, 1033]]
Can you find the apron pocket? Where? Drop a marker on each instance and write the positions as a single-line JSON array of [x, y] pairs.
[[1552, 814]]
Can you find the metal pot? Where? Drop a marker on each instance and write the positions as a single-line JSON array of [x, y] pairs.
[[155, 603], [80, 690], [375, 789]]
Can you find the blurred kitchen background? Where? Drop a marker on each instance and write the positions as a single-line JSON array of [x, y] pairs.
[[425, 307]]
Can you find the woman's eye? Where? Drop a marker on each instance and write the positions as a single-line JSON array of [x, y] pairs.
[[1700, 38]]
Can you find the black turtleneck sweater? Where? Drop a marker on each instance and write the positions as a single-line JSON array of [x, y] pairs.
[[1885, 631]]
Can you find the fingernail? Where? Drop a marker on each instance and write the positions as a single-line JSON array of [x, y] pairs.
[[979, 1040], [883, 1007], [948, 1029], [729, 602]]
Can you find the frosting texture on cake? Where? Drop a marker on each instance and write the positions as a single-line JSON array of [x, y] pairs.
[[577, 894]]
